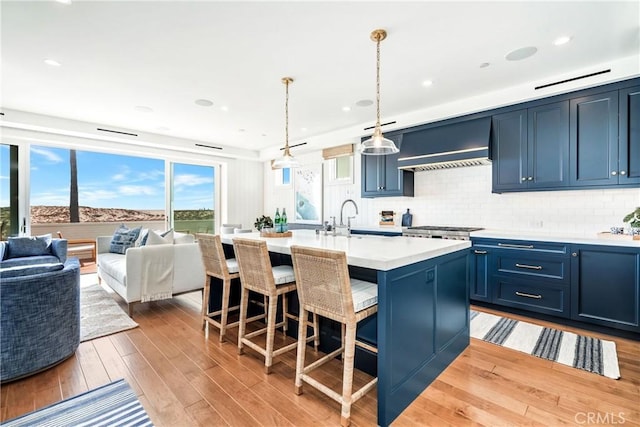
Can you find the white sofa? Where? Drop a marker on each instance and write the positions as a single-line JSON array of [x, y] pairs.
[[123, 273]]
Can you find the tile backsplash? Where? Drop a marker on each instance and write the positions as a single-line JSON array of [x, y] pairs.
[[463, 197]]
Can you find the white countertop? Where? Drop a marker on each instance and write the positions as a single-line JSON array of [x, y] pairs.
[[597, 239], [375, 252], [387, 228]]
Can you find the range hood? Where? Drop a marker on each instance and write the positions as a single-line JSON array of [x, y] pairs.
[[448, 146]]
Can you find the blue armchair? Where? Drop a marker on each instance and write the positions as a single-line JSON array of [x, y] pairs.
[[39, 312]]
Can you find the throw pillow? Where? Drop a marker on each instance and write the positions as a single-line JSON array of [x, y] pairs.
[[28, 246], [142, 238], [156, 238], [123, 239]]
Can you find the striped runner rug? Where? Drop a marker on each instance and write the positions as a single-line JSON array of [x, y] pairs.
[[591, 354], [113, 404]]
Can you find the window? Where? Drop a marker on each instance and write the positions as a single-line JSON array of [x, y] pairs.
[[339, 164], [282, 177]]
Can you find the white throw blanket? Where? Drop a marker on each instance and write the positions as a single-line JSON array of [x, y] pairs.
[[157, 273]]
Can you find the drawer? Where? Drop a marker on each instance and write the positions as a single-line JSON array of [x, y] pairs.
[[522, 245], [555, 268], [541, 297]]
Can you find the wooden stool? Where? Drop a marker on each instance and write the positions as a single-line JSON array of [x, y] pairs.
[[217, 266], [257, 275], [325, 289]]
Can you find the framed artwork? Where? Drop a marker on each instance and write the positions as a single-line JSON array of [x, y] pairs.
[[308, 194]]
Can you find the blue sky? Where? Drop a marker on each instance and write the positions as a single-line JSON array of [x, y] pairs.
[[112, 181]]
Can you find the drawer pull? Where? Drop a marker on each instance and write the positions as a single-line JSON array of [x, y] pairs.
[[530, 267], [523, 294], [479, 252], [510, 245]]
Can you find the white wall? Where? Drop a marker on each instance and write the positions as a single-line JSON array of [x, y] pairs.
[[463, 197], [245, 197]]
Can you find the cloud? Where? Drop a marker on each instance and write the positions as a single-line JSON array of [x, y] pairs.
[[47, 154], [88, 197], [50, 199], [190, 180], [136, 190]]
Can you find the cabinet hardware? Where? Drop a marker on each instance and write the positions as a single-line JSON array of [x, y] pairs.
[[523, 294], [574, 254], [524, 178], [530, 178], [623, 172], [510, 245], [530, 267], [614, 173], [479, 252]]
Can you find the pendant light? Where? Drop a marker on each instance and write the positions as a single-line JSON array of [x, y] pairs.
[[287, 160], [378, 145]]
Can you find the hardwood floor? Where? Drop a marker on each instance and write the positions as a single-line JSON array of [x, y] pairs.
[[183, 378]]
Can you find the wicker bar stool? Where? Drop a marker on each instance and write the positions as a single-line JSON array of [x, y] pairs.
[[226, 270], [325, 289], [257, 275]]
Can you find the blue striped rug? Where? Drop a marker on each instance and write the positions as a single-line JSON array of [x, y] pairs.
[[113, 404], [591, 354]]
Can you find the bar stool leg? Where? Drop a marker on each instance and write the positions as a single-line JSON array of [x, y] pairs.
[[226, 290], [244, 303], [205, 301], [284, 314], [347, 376], [302, 343], [271, 332], [316, 335]]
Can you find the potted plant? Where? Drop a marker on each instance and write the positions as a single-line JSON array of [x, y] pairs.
[[263, 222]]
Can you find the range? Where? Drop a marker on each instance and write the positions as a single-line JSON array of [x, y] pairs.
[[436, 232]]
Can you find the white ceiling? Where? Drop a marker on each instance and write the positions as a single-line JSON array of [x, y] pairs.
[[119, 55]]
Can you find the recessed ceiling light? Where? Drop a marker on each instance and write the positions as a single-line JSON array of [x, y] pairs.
[[224, 108], [143, 109], [241, 130], [346, 108], [64, 1], [204, 102], [303, 129], [484, 65], [264, 134], [522, 53], [562, 40], [364, 103], [427, 83], [52, 62]]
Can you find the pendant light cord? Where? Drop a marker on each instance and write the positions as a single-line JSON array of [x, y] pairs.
[[378, 81], [286, 116]]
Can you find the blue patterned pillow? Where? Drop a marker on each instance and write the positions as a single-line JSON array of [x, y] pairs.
[[123, 239], [28, 246]]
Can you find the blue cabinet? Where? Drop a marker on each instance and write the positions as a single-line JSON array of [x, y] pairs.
[[531, 148], [480, 274], [605, 286], [629, 136], [381, 176], [594, 140]]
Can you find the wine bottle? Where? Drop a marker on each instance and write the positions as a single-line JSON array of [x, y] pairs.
[[283, 220], [276, 221]]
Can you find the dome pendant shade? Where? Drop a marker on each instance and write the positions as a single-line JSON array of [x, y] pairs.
[[287, 160], [378, 145]]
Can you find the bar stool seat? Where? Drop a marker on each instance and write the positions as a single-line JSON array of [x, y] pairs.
[[258, 275], [325, 289], [226, 270]]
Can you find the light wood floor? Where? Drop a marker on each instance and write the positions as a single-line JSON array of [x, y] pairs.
[[183, 378]]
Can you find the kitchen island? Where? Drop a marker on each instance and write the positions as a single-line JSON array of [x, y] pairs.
[[422, 322]]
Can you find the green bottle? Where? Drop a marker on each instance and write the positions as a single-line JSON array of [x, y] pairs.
[[283, 221], [276, 221]]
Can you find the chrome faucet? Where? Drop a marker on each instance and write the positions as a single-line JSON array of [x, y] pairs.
[[342, 209]]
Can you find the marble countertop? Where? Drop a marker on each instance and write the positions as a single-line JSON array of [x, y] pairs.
[[375, 252], [596, 239]]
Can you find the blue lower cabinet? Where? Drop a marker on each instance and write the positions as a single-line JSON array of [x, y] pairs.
[[377, 233], [605, 286], [533, 295]]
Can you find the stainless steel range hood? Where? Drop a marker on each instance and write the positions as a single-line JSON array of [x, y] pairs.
[[453, 145]]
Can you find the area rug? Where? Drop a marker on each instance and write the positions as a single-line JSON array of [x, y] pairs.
[[100, 315], [591, 354], [113, 404]]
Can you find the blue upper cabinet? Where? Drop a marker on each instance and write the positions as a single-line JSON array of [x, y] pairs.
[[594, 140], [629, 136], [381, 176], [531, 148]]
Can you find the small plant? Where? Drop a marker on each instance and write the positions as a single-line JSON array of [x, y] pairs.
[[263, 222], [633, 218]]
